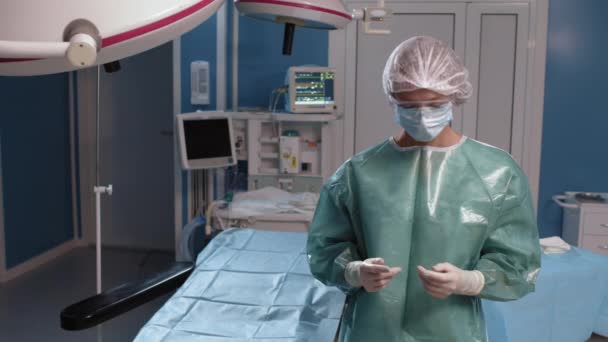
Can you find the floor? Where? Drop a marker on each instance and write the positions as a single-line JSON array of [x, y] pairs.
[[35, 300]]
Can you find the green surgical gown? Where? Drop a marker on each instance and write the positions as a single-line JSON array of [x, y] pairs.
[[467, 204]]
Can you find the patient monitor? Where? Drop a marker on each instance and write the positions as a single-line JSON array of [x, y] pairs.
[[311, 90], [205, 141]]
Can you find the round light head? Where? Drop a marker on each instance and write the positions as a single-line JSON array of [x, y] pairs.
[[319, 14]]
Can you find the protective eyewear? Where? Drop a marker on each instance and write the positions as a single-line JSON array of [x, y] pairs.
[[418, 104]]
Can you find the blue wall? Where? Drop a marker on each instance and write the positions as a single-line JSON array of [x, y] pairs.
[[34, 133], [575, 119], [262, 66]]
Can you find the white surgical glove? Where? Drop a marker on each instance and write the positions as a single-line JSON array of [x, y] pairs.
[[370, 274], [446, 279]]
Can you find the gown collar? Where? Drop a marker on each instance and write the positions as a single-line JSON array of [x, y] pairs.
[[428, 148]]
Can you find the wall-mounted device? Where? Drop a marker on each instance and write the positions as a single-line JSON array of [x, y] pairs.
[[312, 90], [205, 141], [199, 79], [289, 152]]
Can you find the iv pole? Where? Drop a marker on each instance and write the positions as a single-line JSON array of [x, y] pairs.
[[98, 191]]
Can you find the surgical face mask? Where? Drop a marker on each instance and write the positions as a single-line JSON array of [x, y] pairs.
[[424, 123]]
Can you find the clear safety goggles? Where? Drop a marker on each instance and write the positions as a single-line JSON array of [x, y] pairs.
[[418, 104]]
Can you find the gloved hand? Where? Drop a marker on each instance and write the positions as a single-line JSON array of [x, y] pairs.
[[446, 279], [370, 274]]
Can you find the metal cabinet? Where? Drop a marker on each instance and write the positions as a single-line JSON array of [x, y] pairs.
[[584, 224]]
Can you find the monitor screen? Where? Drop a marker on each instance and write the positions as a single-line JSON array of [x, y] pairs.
[[208, 138], [314, 88]]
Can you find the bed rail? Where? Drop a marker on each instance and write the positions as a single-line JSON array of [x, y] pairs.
[[116, 301]]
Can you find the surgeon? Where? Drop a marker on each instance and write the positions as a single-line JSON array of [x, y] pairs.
[[417, 229]]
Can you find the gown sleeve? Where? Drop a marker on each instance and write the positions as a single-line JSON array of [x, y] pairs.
[[331, 239], [510, 257]]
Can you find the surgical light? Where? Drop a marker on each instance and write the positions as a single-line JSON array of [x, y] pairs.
[[319, 14], [51, 36]]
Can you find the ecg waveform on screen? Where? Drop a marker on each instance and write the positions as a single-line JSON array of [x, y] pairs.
[[312, 87]]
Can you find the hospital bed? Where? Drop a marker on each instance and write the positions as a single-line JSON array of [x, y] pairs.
[[268, 208], [245, 285], [570, 302], [252, 285]]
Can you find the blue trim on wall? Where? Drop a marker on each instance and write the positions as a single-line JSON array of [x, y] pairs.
[[575, 117], [34, 127]]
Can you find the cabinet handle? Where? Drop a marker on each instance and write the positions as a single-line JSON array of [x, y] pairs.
[[605, 247], [604, 225]]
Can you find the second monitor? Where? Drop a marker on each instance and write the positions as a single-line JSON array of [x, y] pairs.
[[205, 141]]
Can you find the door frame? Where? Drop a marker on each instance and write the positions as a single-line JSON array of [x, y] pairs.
[[177, 171], [342, 56], [518, 119], [2, 244], [85, 83]]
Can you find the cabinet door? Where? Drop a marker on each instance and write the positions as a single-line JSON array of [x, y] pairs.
[[374, 119], [496, 56]]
